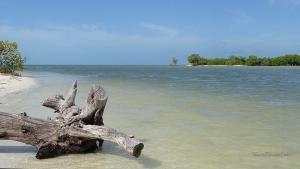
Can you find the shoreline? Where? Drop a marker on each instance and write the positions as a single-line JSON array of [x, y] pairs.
[[10, 84]]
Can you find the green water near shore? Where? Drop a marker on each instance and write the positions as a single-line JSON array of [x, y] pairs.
[[202, 117]]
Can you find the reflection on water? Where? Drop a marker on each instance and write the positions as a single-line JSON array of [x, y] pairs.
[[149, 162], [17, 149], [204, 117]]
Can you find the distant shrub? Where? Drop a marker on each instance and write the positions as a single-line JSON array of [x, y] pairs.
[[10, 57], [216, 61], [235, 60], [196, 59]]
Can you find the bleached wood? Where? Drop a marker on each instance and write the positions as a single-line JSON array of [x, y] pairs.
[[73, 131]]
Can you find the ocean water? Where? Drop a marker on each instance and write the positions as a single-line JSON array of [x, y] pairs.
[[188, 117]]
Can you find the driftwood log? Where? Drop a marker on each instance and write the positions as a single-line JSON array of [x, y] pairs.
[[74, 130]]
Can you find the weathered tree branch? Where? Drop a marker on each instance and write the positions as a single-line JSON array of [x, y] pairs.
[[74, 130]]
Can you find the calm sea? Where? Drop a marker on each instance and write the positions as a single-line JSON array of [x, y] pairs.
[[188, 117]]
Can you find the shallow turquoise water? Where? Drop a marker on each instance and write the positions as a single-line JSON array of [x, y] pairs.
[[188, 117]]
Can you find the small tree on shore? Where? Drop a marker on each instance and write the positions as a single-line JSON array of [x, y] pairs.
[[10, 57], [174, 61]]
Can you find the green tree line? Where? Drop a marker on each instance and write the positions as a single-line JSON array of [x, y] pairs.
[[10, 57], [285, 60]]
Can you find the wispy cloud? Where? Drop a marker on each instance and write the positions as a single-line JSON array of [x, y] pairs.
[[290, 3], [91, 33], [86, 44], [92, 41], [264, 44], [164, 30], [241, 18]]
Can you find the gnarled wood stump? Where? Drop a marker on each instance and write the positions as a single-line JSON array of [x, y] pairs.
[[74, 130]]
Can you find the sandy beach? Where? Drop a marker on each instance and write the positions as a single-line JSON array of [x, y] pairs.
[[10, 84]]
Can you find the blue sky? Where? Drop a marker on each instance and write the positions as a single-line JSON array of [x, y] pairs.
[[148, 31]]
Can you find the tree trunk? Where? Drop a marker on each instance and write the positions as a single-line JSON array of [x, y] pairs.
[[74, 130]]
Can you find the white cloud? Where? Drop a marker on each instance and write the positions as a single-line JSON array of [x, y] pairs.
[[161, 29]]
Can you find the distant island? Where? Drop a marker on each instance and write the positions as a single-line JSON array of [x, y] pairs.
[[285, 60]]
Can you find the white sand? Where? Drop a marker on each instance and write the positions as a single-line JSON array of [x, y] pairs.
[[10, 84]]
